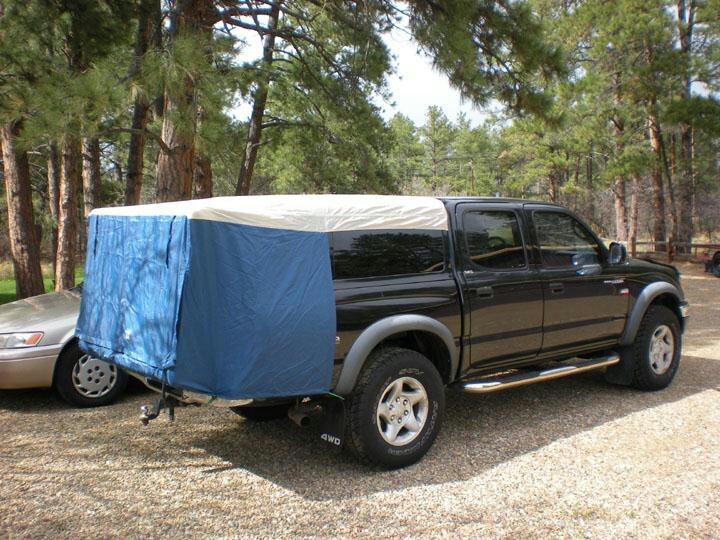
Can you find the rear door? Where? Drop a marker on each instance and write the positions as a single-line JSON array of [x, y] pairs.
[[503, 293], [585, 297]]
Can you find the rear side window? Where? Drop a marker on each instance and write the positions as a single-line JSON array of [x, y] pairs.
[[564, 241], [361, 254], [493, 239]]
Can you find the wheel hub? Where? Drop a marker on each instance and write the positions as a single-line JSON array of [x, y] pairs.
[[92, 377], [402, 411], [662, 349]]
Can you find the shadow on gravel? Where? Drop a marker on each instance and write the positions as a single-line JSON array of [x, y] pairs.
[[479, 432], [44, 400]]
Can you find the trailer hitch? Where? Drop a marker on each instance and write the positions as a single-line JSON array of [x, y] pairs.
[[151, 412]]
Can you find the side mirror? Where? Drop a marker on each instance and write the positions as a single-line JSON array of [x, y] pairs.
[[618, 253]]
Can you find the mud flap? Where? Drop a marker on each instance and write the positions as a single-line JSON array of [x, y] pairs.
[[622, 372], [331, 422]]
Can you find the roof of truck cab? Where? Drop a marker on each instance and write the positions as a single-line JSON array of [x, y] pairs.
[[310, 213], [496, 200]]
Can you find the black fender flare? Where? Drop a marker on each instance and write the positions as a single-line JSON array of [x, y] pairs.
[[646, 297], [383, 329]]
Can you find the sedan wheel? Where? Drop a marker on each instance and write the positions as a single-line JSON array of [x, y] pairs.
[[85, 381], [93, 378]]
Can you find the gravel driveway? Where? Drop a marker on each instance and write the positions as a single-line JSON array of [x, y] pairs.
[[567, 458]]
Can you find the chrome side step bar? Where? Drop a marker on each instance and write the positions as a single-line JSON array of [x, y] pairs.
[[522, 378]]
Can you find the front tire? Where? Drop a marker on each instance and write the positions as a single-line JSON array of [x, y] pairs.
[[656, 349], [84, 381], [396, 409]]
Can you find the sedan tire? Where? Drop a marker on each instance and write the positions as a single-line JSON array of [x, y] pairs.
[[84, 381]]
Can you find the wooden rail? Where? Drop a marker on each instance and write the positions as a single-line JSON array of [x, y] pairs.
[[671, 247]]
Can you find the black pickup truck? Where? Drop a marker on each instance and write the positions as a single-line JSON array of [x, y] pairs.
[[417, 293], [515, 292]]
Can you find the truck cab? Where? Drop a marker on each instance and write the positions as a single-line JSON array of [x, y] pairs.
[[514, 287]]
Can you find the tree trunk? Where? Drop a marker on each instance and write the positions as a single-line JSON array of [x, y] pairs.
[[670, 192], [620, 211], [175, 167], [259, 100], [141, 107], [68, 213], [553, 186], [91, 175], [686, 184], [24, 244], [202, 178], [90, 186], [53, 180], [633, 224], [619, 188], [136, 152], [659, 232], [590, 186]]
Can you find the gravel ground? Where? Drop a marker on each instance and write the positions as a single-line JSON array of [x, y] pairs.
[[567, 458]]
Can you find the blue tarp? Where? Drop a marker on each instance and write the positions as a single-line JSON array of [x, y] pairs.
[[226, 309]]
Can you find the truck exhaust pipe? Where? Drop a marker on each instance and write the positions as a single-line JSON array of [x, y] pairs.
[[299, 416]]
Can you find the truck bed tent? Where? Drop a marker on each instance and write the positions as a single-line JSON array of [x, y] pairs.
[[231, 296]]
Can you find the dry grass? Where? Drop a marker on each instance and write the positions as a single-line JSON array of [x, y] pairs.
[[570, 458]]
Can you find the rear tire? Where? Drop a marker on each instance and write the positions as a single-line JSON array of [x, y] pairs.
[[656, 349], [84, 381], [262, 414], [395, 411]]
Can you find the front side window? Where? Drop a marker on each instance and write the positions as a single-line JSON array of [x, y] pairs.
[[493, 239], [361, 254], [564, 241]]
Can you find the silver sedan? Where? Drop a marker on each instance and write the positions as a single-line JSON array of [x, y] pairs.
[[38, 348]]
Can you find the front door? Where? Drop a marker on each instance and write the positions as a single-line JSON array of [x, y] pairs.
[[585, 298], [503, 292]]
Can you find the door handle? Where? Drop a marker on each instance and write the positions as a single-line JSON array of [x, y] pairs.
[[484, 292], [557, 288]]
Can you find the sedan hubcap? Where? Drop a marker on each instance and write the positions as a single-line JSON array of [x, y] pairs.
[[402, 411], [93, 378], [662, 349]]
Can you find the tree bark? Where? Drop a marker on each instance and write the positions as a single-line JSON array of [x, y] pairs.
[[175, 168], [619, 188], [141, 107], [590, 186], [252, 145], [633, 223], [91, 175], [670, 192], [202, 178], [53, 180], [136, 152], [686, 184], [659, 230], [24, 244], [68, 213]]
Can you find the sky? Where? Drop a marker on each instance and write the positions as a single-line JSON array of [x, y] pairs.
[[414, 86]]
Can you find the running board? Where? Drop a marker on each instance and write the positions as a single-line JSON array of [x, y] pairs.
[[529, 377]]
